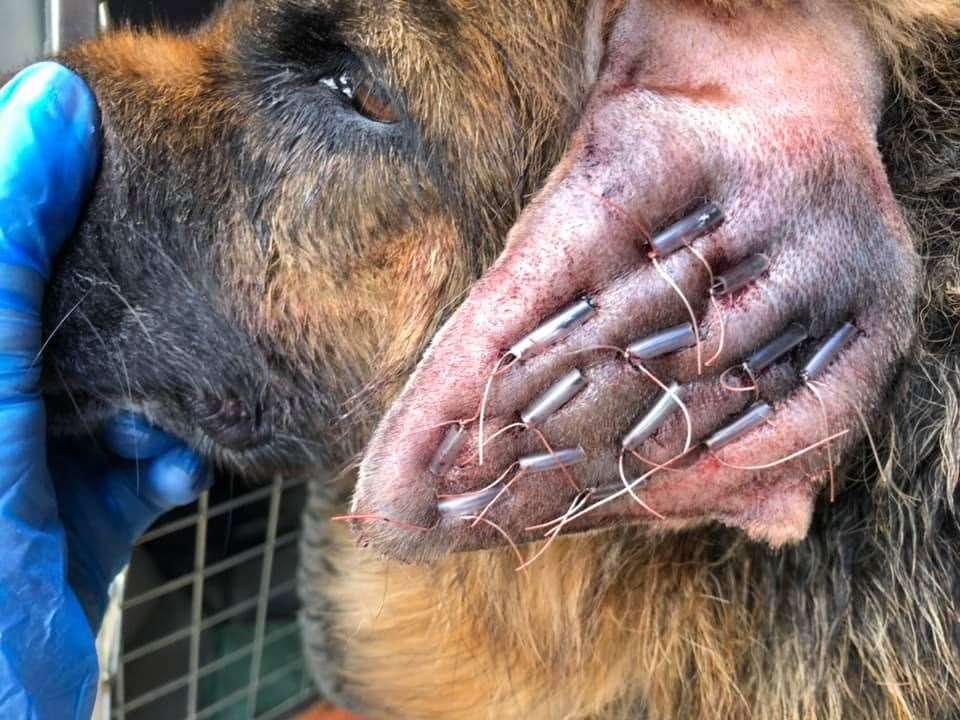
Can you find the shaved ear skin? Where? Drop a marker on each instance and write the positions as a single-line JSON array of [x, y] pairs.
[[771, 116]]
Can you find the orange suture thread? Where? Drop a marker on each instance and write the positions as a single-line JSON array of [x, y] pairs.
[[651, 463], [644, 230], [486, 395], [499, 494], [629, 488], [577, 503], [784, 460], [683, 298], [615, 496], [563, 468], [683, 406], [826, 431], [716, 305], [506, 536], [739, 388]]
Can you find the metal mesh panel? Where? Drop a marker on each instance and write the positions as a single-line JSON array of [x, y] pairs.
[[209, 627]]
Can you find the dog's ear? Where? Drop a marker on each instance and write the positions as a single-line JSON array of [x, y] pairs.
[[721, 214]]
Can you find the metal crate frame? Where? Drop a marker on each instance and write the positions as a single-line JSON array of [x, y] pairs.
[[121, 706]]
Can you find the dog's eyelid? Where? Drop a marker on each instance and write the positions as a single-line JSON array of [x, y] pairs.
[[365, 94]]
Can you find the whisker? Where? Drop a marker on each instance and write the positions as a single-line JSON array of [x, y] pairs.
[[380, 519], [352, 465], [303, 442], [126, 376], [113, 288], [75, 404], [873, 445], [60, 325]]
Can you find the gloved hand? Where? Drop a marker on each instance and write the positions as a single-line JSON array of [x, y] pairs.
[[67, 525]]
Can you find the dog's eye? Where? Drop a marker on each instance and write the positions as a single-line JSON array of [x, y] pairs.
[[364, 94]]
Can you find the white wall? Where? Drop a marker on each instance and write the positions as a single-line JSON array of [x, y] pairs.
[[21, 32]]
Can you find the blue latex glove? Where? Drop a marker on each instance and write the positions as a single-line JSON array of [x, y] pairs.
[[67, 525]]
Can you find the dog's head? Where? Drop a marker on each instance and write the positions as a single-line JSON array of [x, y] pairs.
[[294, 199], [290, 202]]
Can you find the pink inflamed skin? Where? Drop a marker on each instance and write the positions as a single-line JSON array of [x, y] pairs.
[[701, 394]]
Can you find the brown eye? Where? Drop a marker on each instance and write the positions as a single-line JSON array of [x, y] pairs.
[[365, 95], [370, 102]]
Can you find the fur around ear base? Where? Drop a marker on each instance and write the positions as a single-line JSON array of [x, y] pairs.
[[908, 32], [912, 34]]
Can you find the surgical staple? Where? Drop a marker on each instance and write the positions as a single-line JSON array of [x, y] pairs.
[[828, 352], [666, 405], [705, 220], [545, 462], [553, 330], [739, 427], [773, 351], [468, 503], [554, 398], [664, 342], [739, 276], [446, 454]]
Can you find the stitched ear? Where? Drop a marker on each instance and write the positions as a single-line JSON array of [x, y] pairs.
[[687, 403]]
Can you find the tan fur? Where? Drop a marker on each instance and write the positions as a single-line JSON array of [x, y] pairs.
[[395, 289], [162, 76], [386, 296], [599, 627]]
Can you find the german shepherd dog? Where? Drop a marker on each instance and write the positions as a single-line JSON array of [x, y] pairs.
[[326, 229]]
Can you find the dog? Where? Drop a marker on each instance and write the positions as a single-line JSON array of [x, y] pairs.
[[326, 228]]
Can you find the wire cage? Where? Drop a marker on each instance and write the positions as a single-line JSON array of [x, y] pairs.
[[206, 626]]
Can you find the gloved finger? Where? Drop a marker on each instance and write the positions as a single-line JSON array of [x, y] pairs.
[[47, 160], [130, 436], [131, 496], [175, 478], [106, 511], [49, 136], [48, 157]]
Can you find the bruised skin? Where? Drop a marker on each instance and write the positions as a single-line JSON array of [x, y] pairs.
[[773, 118]]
